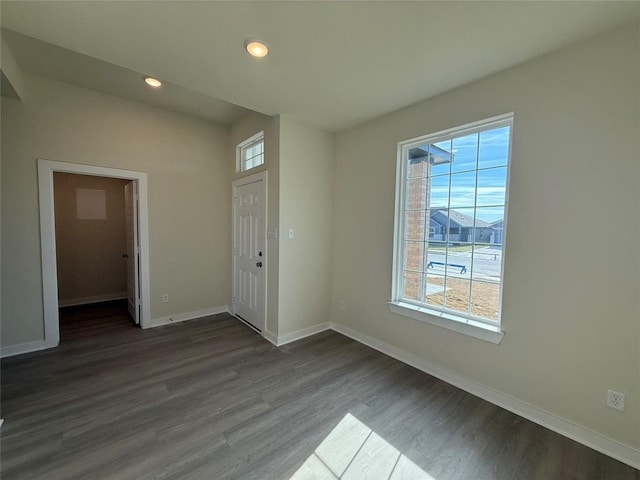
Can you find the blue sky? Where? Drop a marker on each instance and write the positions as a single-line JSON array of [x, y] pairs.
[[490, 150]]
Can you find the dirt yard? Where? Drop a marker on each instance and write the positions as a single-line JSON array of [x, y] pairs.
[[485, 297]]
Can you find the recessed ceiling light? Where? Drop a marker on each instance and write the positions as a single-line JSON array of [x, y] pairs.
[[153, 82], [256, 48]]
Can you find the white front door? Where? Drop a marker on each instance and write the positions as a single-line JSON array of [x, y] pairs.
[[249, 253], [132, 252]]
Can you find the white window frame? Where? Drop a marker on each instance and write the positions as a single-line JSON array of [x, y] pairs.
[[240, 149], [458, 322]]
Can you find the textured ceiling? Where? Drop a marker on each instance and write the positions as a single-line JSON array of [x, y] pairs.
[[332, 64]]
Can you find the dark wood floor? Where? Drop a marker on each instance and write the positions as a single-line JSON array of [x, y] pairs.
[[210, 399]]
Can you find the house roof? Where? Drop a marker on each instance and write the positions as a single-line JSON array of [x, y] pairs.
[[460, 218], [331, 65]]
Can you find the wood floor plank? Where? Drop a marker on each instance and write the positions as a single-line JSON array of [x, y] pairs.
[[211, 399]]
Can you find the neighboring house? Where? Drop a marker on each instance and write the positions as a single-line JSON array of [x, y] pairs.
[[461, 227], [497, 226]]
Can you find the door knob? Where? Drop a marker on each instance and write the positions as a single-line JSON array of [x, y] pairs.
[[124, 255], [259, 264]]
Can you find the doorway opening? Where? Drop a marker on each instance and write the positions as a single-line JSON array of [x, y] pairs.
[[96, 238], [90, 205]]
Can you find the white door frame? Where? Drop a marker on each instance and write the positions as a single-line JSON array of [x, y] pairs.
[[256, 177], [46, 168]]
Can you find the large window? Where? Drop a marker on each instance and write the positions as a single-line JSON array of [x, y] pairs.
[[251, 152], [450, 216]]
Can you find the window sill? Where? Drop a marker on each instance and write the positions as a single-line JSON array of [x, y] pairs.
[[466, 326]]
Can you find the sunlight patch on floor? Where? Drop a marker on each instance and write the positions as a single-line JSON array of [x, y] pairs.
[[352, 451]]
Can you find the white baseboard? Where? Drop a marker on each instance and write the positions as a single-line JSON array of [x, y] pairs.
[[272, 337], [300, 334], [183, 317], [72, 302], [280, 340], [11, 350], [601, 443]]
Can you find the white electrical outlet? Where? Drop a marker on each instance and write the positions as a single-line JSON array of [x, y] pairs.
[[343, 305], [615, 400], [165, 298]]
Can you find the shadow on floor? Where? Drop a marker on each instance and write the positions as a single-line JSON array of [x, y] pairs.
[[83, 321]]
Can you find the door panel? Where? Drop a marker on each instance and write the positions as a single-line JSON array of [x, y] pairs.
[[132, 252], [249, 252]]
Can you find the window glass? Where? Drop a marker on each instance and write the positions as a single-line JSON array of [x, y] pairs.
[[453, 217], [251, 152]]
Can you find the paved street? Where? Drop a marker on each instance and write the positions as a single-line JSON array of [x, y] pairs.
[[486, 263]]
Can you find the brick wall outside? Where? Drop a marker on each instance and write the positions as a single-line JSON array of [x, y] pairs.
[[416, 218]]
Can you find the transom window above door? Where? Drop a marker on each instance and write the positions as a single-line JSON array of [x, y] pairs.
[[250, 153]]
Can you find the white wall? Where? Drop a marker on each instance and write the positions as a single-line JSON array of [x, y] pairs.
[[186, 160], [570, 307], [306, 182]]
